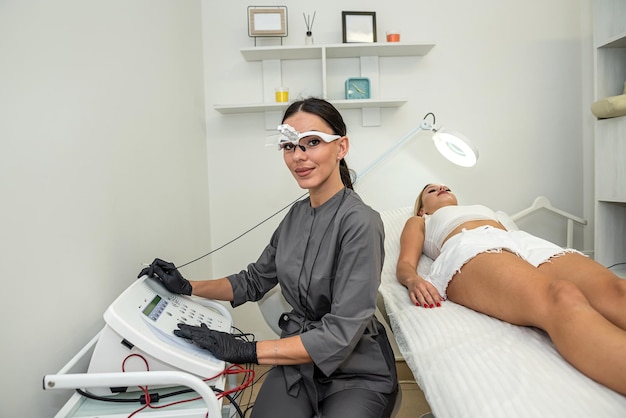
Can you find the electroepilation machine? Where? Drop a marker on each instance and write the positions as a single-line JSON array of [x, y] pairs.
[[137, 347]]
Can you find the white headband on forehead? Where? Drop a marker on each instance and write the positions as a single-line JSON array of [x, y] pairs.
[[289, 134]]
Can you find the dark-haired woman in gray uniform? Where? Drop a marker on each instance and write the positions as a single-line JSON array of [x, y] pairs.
[[333, 358]]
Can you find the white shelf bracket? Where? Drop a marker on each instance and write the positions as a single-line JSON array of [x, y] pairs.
[[370, 68]]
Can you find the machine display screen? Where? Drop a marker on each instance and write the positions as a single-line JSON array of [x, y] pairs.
[[150, 307]]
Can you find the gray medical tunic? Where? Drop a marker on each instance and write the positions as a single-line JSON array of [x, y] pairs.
[[328, 261]]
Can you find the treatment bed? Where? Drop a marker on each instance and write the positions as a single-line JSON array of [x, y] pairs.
[[472, 365]]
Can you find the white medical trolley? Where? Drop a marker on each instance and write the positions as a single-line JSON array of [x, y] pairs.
[[138, 335]]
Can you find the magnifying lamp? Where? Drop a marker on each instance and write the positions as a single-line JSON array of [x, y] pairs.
[[452, 145]]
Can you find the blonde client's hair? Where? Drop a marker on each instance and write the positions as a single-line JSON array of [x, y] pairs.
[[419, 202]]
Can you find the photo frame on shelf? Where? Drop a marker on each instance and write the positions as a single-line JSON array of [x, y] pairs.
[[267, 21], [359, 27]]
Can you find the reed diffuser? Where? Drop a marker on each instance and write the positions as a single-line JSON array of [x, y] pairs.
[[308, 20]]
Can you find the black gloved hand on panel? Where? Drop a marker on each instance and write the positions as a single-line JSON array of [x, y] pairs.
[[169, 275], [222, 345]]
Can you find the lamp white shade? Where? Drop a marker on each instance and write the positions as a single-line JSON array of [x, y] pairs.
[[456, 148]]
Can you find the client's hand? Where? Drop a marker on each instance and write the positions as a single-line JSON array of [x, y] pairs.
[[222, 345], [169, 275], [423, 293]]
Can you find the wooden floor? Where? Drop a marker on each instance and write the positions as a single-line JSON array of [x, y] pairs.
[[413, 405]]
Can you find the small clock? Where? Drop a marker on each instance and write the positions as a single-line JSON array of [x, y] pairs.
[[358, 88]]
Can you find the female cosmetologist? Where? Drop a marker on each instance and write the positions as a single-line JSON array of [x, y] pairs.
[[333, 358], [518, 278]]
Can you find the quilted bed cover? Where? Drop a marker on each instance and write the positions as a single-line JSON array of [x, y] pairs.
[[472, 365]]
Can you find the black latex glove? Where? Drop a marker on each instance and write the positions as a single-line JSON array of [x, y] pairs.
[[222, 345], [168, 275]]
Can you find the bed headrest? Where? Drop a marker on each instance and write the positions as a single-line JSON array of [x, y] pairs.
[[393, 220]]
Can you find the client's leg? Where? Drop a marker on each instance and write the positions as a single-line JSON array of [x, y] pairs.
[[604, 290], [506, 287]]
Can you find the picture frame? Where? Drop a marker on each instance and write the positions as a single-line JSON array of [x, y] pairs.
[[358, 27], [267, 21]]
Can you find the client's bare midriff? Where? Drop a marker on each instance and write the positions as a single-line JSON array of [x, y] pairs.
[[472, 225]]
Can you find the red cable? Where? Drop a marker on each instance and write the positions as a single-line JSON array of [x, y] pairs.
[[232, 369]]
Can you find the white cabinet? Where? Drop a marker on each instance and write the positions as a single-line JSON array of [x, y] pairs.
[[610, 135], [368, 54]]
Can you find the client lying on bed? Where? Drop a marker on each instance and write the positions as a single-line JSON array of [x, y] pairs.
[[578, 302]]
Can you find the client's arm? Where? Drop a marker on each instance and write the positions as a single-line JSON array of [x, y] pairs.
[[421, 292]]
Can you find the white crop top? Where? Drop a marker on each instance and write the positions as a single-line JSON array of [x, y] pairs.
[[444, 220]]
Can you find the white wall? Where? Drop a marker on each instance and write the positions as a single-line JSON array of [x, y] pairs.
[[106, 160], [103, 167], [513, 76]]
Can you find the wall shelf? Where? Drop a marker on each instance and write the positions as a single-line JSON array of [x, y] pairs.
[[610, 135], [339, 104], [618, 41], [369, 55], [335, 51]]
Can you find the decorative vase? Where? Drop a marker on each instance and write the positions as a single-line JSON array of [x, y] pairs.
[[308, 39]]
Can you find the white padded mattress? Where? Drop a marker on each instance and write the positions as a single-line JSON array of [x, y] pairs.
[[472, 365]]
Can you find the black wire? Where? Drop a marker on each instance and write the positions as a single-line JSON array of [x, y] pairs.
[[248, 409], [166, 395], [232, 401], [244, 233], [616, 264], [238, 330], [246, 376], [263, 375], [251, 386], [181, 392], [269, 217], [106, 399], [135, 400]]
